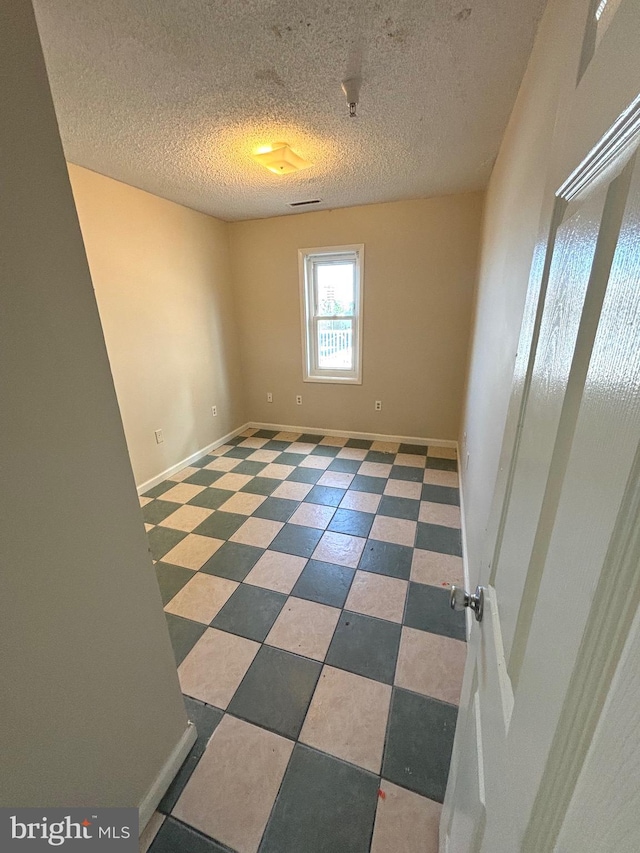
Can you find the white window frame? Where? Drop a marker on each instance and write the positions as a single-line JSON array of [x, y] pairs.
[[306, 259]]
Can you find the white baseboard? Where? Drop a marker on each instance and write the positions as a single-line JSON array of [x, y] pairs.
[[158, 789], [144, 487], [370, 436]]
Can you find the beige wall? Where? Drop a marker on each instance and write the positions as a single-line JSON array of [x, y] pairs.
[[420, 269], [162, 279], [90, 704], [518, 209]]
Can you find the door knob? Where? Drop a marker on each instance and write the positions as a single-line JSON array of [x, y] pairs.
[[460, 599]]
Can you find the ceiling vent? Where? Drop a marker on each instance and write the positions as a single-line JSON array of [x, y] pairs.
[[303, 203]]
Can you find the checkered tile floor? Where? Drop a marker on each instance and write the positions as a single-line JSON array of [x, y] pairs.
[[304, 581]]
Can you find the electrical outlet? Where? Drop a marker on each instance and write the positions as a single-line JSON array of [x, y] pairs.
[[269, 397], [378, 405], [214, 411], [159, 436], [299, 399]]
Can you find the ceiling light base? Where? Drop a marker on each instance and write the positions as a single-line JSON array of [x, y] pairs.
[[281, 159]]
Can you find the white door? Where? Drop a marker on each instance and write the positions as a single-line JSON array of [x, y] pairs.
[[561, 587]]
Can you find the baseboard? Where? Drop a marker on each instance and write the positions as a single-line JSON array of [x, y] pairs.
[[144, 487], [465, 552], [159, 787], [370, 436]]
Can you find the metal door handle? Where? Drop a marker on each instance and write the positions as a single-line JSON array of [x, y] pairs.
[[460, 599]]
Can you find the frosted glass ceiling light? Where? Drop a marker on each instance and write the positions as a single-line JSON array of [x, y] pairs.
[[280, 159]]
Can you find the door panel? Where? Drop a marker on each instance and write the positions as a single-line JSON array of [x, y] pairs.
[[569, 275], [569, 451], [601, 456], [468, 820]]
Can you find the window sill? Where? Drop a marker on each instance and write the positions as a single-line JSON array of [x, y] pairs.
[[334, 380]]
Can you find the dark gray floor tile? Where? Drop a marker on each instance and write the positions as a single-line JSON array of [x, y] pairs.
[[276, 691], [289, 459], [204, 477], [399, 507], [211, 498], [276, 509], [162, 540], [352, 522], [366, 646], [158, 510], [406, 472], [261, 486], [204, 460], [233, 561], [310, 438], [441, 494], [428, 609], [325, 450], [325, 583], [264, 433], [160, 489], [363, 483], [206, 719], [436, 537], [176, 837], [345, 466], [326, 495], [295, 539], [324, 806], [442, 464], [419, 743], [385, 558], [240, 452], [171, 579], [184, 635], [305, 475], [414, 449], [379, 456], [238, 439], [359, 443], [250, 612], [221, 525], [249, 467], [280, 446]]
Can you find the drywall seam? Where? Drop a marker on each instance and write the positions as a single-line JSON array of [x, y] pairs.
[[144, 487]]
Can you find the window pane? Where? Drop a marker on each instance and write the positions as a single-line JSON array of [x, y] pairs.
[[336, 290], [335, 345]]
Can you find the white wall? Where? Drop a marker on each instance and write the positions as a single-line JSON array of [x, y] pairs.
[[163, 283], [419, 277], [90, 702], [517, 211]]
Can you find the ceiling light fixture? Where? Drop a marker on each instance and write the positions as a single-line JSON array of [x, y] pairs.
[[280, 159]]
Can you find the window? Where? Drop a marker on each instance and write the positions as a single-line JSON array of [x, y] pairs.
[[331, 296]]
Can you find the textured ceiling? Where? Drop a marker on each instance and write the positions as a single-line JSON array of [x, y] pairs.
[[174, 95]]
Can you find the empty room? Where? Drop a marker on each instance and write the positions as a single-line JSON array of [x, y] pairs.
[[319, 361]]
